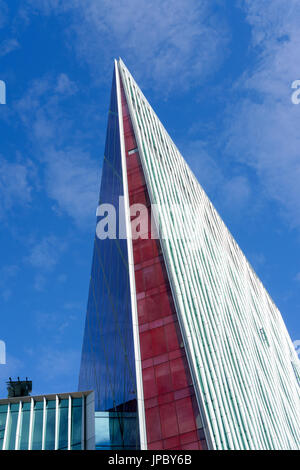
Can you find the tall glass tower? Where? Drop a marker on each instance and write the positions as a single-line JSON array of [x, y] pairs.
[[183, 346]]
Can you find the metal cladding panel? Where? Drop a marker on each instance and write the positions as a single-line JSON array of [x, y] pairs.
[[241, 356], [171, 410]]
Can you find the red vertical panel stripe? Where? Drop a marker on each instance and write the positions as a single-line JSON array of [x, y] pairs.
[[171, 410]]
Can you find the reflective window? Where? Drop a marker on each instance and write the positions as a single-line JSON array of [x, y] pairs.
[[63, 424], [76, 432], [3, 415], [115, 430], [50, 425], [37, 426], [24, 426], [12, 426], [108, 363]]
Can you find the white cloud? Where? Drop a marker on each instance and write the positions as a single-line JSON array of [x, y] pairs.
[[205, 167], [71, 175], [53, 364], [65, 86], [271, 20], [46, 253], [236, 192], [49, 6], [7, 274], [72, 181], [56, 324], [3, 13], [168, 43], [15, 184], [230, 193], [8, 46], [74, 306], [39, 282], [263, 126]]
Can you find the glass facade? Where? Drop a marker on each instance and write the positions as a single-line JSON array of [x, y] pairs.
[[24, 426], [50, 422], [37, 436], [183, 346], [12, 426], [76, 425], [63, 424], [108, 362], [115, 430], [3, 416]]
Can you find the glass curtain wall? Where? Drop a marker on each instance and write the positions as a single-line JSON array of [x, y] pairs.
[[108, 364], [3, 416], [25, 426], [47, 423]]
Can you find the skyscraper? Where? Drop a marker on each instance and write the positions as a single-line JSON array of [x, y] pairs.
[[183, 346]]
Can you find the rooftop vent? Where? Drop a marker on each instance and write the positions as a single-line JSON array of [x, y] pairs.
[[18, 388]]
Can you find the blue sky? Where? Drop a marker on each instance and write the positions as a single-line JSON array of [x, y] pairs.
[[219, 76]]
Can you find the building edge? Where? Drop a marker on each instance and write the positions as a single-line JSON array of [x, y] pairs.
[[192, 367], [134, 312]]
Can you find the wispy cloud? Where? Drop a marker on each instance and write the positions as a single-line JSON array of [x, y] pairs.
[[232, 192], [54, 364], [3, 13], [72, 180], [7, 274], [39, 283], [46, 253], [44, 256], [8, 46], [263, 125], [71, 175], [16, 184], [56, 324], [170, 44], [65, 86]]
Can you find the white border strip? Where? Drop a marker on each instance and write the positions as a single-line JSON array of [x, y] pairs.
[[57, 416], [4, 447], [69, 422], [31, 423], [135, 325], [18, 434], [44, 423]]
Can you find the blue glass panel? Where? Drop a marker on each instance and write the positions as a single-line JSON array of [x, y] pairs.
[[3, 415], [76, 432], [63, 425], [12, 426], [24, 426], [37, 426], [115, 430], [107, 362], [50, 425]]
